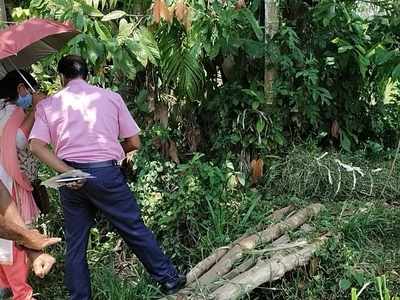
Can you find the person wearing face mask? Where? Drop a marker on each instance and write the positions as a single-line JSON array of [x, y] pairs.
[[24, 97], [15, 127]]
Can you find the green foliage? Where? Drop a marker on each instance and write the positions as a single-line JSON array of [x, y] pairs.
[[109, 285], [188, 66], [198, 206], [115, 43], [335, 65], [189, 198]]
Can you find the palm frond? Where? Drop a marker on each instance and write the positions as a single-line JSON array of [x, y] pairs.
[[181, 68]]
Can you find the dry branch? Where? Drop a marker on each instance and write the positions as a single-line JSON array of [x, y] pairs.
[[276, 216], [205, 264], [224, 265], [284, 239], [280, 249], [243, 267], [265, 271]]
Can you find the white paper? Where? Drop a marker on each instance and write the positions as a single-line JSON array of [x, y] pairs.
[[53, 181], [6, 252]]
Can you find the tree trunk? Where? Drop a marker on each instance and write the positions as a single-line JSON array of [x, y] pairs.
[[271, 28]]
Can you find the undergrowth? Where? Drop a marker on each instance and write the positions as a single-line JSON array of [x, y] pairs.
[[199, 206]]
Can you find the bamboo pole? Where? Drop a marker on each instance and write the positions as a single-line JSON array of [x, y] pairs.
[[265, 271], [225, 264], [204, 265]]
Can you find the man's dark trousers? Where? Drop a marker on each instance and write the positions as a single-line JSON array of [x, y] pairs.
[[109, 193]]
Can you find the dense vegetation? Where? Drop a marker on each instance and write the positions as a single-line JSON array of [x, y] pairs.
[[193, 73]]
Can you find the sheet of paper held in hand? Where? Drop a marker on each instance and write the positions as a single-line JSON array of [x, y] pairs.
[[66, 178]]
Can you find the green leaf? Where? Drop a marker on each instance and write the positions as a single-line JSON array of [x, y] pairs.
[[94, 49], [95, 4], [144, 47], [359, 277], [116, 14], [128, 66], [344, 284], [253, 94], [254, 48], [88, 9], [253, 23], [383, 56], [102, 31], [363, 62], [230, 166], [343, 49], [345, 141], [241, 178], [125, 29], [80, 22], [278, 137], [260, 125], [35, 3], [396, 72]]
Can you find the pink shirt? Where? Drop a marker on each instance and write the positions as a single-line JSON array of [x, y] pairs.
[[84, 123]]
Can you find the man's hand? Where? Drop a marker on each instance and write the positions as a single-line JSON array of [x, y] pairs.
[[76, 185], [41, 263], [131, 143], [34, 240]]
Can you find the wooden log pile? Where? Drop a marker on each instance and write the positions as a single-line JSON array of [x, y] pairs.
[[254, 259]]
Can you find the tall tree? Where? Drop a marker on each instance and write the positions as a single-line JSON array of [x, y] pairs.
[[271, 27]]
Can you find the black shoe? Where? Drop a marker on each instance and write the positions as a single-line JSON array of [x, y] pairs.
[[172, 287]]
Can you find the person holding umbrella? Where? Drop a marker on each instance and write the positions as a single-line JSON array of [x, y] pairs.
[[15, 127]]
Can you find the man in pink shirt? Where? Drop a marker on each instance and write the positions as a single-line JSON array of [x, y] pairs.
[[84, 124]]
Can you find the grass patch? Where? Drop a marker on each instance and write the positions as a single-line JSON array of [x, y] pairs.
[[364, 226]]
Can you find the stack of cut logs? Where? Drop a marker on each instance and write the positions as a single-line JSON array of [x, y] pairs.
[[235, 270]]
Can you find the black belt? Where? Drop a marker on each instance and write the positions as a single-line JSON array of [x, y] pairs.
[[93, 165]]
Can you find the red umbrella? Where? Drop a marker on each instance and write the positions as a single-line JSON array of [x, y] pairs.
[[23, 44]]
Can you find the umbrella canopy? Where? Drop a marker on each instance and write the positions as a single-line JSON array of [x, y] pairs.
[[23, 44]]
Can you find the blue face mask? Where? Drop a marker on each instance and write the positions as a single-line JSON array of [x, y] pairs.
[[24, 101]]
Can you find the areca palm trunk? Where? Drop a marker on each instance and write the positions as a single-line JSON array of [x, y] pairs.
[[271, 28], [3, 14]]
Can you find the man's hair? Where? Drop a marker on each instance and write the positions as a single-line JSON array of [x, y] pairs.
[[73, 66], [9, 84]]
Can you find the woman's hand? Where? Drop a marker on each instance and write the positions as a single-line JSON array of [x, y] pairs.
[[34, 240], [41, 263]]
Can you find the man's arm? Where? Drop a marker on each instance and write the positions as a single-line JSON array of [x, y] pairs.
[[41, 150], [131, 144]]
